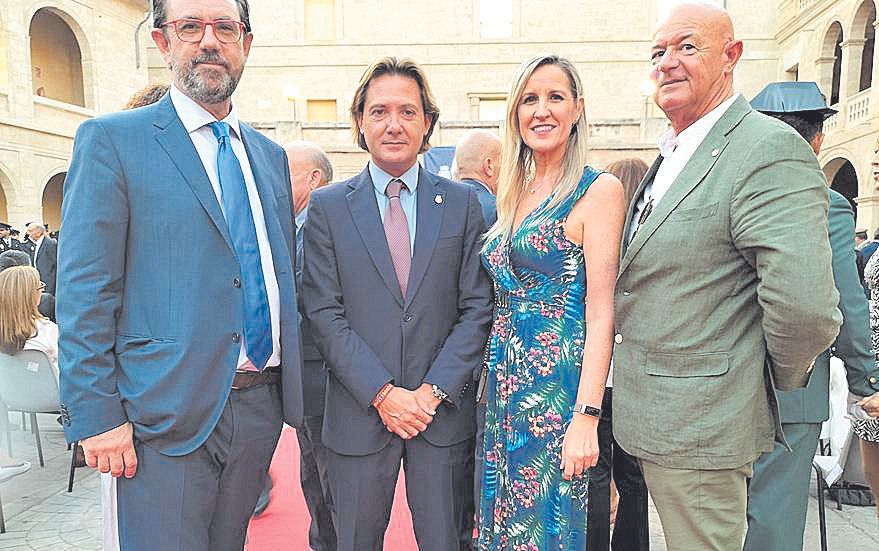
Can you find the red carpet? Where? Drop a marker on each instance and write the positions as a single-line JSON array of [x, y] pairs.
[[284, 524]]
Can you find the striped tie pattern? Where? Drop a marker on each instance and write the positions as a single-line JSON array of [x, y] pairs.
[[397, 233]]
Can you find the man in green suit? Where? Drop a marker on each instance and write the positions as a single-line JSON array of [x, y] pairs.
[[725, 283], [775, 523]]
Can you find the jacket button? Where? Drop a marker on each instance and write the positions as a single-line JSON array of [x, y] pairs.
[[236, 283], [873, 380], [618, 338], [236, 338], [407, 318]]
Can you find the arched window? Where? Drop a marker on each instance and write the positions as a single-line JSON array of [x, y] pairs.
[[56, 59], [843, 178], [864, 21], [52, 195]]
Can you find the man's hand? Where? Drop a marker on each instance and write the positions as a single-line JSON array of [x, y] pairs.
[[425, 397], [403, 414], [112, 451]]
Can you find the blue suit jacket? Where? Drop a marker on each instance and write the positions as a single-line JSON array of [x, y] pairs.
[[149, 324], [486, 199], [369, 334]]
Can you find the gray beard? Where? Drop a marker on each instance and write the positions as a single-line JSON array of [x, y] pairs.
[[197, 88]]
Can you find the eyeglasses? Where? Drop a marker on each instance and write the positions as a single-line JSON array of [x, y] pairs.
[[227, 31], [41, 287]]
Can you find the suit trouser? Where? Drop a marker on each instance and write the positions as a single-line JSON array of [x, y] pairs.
[[631, 531], [700, 510], [778, 495], [435, 480], [315, 484], [202, 501]]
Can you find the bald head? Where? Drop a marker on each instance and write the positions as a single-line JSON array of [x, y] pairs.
[[477, 156], [694, 54], [309, 169]]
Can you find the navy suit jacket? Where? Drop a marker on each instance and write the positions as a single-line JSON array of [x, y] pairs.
[[46, 262], [486, 199], [369, 334], [150, 327], [314, 373]]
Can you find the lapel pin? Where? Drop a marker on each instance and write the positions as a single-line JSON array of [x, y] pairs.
[[715, 152], [438, 199]]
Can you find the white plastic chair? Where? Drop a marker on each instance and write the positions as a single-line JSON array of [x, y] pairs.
[[28, 384]]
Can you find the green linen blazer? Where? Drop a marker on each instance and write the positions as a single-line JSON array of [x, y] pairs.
[[853, 345], [725, 293]]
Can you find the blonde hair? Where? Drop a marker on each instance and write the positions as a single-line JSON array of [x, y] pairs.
[[403, 67], [18, 310], [517, 159]]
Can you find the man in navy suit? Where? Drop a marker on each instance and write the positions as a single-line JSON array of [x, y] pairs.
[[171, 356], [400, 310], [477, 163], [44, 253], [310, 169]]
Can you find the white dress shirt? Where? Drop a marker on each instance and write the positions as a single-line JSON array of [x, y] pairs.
[[195, 119], [676, 150], [37, 244]]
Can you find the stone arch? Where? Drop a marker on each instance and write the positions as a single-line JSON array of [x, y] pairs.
[[52, 197], [863, 28], [831, 62], [7, 194], [842, 177], [60, 56]]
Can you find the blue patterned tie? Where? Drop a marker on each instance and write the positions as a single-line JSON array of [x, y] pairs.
[[239, 218]]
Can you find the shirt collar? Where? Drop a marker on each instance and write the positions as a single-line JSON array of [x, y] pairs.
[[381, 179], [299, 219], [694, 134], [194, 116]]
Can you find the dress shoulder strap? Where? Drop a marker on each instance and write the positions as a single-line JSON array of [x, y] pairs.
[[589, 176]]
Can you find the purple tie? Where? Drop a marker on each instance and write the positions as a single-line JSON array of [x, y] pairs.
[[397, 233]]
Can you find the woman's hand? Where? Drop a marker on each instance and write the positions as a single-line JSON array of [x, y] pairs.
[[580, 446], [871, 405]]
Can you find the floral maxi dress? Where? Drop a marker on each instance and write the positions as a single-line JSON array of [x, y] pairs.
[[535, 353]]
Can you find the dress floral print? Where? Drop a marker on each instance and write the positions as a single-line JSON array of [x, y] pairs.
[[534, 358]]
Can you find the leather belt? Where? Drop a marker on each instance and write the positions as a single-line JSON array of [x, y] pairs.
[[249, 379]]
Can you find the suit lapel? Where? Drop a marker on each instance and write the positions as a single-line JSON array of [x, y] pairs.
[[703, 160], [367, 219], [258, 164], [630, 213], [174, 139], [429, 217]]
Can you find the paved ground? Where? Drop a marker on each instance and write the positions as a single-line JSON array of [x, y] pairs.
[[41, 515]]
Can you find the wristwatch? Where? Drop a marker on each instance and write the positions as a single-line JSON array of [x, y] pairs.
[[438, 393], [583, 409]]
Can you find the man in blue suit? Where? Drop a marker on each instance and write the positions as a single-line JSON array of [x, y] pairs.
[[400, 309], [180, 358], [775, 523], [477, 164]]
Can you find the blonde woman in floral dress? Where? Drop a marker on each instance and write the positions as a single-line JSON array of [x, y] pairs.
[[555, 242]]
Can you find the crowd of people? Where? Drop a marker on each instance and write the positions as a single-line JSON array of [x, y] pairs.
[[529, 341]]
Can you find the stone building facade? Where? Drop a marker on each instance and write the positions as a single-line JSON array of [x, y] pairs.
[[833, 43], [308, 56], [62, 61]]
